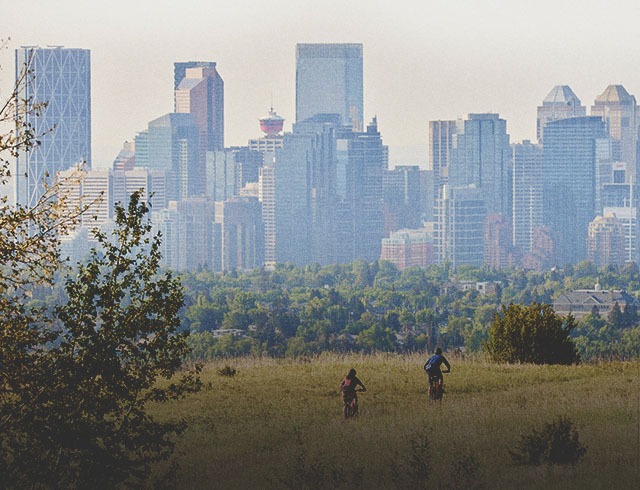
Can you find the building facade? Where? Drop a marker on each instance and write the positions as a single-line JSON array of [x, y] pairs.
[[481, 156], [360, 204], [499, 252], [409, 248], [223, 175], [459, 226], [582, 302], [238, 234], [293, 213], [569, 182], [405, 197], [441, 136], [606, 241], [171, 145], [527, 193]]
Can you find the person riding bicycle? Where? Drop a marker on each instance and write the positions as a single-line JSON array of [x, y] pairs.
[[348, 389], [432, 366]]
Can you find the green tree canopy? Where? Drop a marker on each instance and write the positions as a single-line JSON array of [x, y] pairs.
[[73, 415], [531, 334]]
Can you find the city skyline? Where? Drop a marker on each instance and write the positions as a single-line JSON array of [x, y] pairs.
[[445, 64]]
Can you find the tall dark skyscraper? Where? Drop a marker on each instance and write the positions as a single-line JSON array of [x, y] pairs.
[[570, 159], [329, 81], [60, 77]]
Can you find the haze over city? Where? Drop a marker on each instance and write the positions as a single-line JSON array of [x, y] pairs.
[[422, 60]]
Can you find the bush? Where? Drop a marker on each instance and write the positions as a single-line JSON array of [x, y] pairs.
[[534, 334], [227, 371], [556, 443]]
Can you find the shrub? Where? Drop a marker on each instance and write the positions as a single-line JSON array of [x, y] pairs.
[[534, 334], [227, 371], [556, 443]]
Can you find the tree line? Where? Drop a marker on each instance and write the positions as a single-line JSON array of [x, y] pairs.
[[293, 311]]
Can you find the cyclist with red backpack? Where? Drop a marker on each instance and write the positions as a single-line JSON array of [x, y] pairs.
[[349, 397]]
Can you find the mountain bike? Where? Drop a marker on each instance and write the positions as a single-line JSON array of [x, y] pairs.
[[436, 388], [350, 408]]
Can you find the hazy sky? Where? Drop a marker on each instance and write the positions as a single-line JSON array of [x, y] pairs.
[[423, 60]]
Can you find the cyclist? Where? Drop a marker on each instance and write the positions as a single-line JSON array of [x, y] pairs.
[[432, 366], [348, 390]]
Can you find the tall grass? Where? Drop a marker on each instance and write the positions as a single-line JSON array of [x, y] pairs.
[[277, 424]]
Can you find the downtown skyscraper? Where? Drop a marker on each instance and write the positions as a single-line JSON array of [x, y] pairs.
[[527, 193], [170, 144], [329, 81], [619, 111], [560, 103], [571, 153], [199, 90], [481, 156], [60, 78]]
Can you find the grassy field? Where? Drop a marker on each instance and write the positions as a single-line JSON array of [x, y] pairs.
[[277, 424]]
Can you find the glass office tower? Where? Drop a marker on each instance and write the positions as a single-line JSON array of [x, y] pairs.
[[329, 81], [481, 156], [570, 158], [61, 78]]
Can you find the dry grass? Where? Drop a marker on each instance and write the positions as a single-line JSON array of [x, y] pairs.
[[277, 424]]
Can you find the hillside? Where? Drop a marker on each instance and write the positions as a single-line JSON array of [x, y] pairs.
[[277, 424]]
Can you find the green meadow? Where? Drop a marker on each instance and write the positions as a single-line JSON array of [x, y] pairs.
[[277, 424]]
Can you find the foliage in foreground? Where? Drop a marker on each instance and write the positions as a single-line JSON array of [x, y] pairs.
[[531, 334], [74, 415], [556, 443]]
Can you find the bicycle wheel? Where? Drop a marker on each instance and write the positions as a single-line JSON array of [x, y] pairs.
[[347, 411], [440, 390]]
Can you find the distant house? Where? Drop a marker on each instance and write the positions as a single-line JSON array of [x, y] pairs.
[[483, 287], [235, 332], [582, 301]]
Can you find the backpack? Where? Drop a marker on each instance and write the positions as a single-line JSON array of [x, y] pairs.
[[432, 364], [346, 384]]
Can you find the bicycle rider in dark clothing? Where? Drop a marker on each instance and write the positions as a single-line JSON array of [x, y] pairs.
[[432, 366], [348, 389]]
